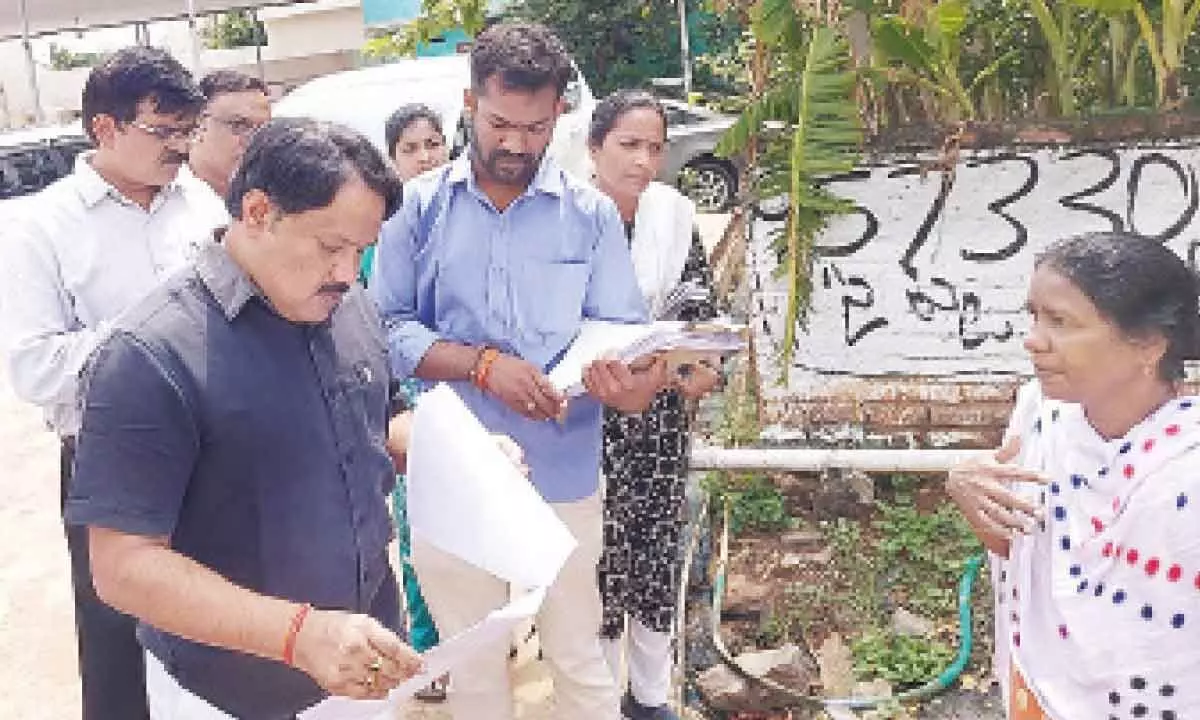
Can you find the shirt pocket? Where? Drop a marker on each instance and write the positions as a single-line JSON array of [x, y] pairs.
[[364, 389], [552, 295]]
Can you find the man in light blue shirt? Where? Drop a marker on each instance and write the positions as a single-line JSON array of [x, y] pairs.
[[483, 279]]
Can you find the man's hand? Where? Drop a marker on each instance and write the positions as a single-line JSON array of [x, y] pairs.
[[524, 388], [624, 389], [982, 489], [353, 655], [699, 381], [398, 438]]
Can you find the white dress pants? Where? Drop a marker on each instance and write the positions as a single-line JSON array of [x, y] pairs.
[[648, 657]]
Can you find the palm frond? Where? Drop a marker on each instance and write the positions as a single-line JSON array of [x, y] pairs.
[[806, 124]]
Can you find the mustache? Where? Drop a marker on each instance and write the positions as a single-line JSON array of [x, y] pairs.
[[335, 288], [506, 155]]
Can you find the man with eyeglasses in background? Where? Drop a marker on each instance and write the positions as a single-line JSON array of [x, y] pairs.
[[237, 104], [72, 260]]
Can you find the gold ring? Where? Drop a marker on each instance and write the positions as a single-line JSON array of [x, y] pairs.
[[531, 406], [375, 666]]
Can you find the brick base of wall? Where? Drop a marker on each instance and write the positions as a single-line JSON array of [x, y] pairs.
[[898, 411]]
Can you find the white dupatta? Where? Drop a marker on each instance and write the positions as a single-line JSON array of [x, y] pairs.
[[1100, 608], [662, 238]]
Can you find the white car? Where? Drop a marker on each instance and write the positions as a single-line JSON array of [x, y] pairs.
[[364, 99]]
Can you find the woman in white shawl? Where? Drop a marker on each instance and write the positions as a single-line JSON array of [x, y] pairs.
[[645, 456], [1091, 508]]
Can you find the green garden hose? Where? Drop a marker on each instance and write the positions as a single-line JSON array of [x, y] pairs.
[[966, 587]]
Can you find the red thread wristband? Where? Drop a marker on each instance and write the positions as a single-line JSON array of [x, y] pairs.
[[289, 641]]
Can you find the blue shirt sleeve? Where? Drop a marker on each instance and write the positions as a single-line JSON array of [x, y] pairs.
[[137, 445], [393, 286], [613, 293]]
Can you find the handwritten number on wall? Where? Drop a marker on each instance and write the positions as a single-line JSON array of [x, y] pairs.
[[997, 208], [1072, 201], [1187, 178], [926, 227], [868, 234]]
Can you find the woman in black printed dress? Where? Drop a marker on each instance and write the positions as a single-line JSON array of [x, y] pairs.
[[645, 456]]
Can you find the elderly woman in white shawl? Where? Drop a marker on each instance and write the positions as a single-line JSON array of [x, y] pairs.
[[1092, 507], [645, 456]]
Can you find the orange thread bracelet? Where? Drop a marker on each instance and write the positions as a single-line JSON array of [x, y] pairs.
[[289, 641], [484, 366]]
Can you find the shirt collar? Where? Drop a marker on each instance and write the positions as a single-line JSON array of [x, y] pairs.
[[93, 188], [229, 285], [548, 179]]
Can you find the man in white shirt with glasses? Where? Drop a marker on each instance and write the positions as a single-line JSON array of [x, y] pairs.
[[73, 258]]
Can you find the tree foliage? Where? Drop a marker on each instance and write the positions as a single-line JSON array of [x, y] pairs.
[[436, 19], [62, 58], [233, 29], [624, 43]]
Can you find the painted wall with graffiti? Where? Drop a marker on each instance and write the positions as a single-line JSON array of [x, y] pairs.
[[927, 279]]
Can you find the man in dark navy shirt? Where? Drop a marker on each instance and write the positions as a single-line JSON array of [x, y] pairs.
[[233, 461]]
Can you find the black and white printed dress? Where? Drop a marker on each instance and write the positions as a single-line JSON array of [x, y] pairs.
[[645, 468]]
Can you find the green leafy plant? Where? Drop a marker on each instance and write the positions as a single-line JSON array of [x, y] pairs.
[[856, 569], [62, 58], [437, 17], [929, 54], [901, 659], [1166, 40], [233, 29], [757, 505], [926, 553], [808, 123]]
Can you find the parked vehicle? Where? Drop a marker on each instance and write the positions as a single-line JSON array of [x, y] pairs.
[[364, 98], [692, 164], [34, 158]]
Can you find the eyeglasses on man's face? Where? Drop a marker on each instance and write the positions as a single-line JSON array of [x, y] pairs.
[[240, 126], [165, 133]]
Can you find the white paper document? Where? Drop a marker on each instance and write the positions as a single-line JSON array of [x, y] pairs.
[[467, 498], [598, 339], [496, 628]]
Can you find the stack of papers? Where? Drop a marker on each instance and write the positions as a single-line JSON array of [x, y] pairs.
[[467, 498], [629, 343]]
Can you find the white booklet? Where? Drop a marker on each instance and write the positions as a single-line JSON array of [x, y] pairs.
[[628, 343]]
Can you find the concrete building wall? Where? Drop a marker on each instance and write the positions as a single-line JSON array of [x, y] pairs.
[[304, 41]]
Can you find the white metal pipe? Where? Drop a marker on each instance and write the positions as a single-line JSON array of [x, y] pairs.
[[812, 460]]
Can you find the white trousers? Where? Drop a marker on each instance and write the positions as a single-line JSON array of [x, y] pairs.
[[171, 701], [648, 656], [568, 625]]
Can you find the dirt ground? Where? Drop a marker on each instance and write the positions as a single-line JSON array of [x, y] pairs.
[[38, 678], [38, 674]]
